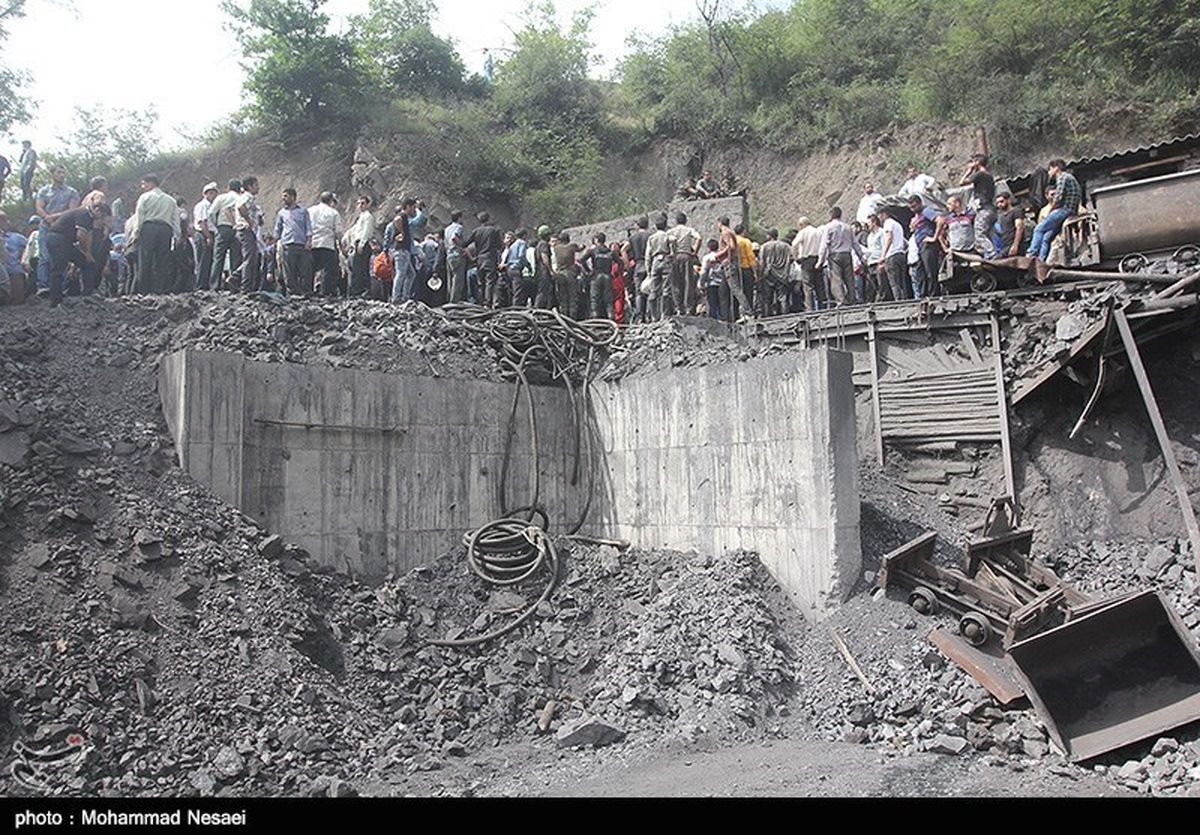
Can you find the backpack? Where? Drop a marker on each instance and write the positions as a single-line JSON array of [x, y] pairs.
[[383, 267]]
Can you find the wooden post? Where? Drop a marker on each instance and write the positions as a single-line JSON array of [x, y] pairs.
[[1160, 429], [1010, 481], [871, 338]]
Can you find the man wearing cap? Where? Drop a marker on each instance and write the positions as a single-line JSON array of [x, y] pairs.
[[203, 237], [155, 223], [326, 223]]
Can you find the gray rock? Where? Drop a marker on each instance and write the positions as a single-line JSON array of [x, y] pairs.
[[945, 744], [1070, 327], [1132, 770], [1164, 746], [271, 547], [203, 782], [1159, 558], [588, 730], [610, 559], [861, 715], [229, 763]]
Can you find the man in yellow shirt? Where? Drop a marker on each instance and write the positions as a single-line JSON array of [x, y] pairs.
[[748, 264]]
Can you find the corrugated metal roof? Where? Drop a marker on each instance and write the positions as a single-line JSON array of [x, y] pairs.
[[1167, 143]]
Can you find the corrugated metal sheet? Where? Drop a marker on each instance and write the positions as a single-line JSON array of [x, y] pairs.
[[1191, 138]]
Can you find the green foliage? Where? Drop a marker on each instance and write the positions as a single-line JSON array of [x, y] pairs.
[[113, 143], [298, 76], [824, 71], [13, 109], [397, 40]]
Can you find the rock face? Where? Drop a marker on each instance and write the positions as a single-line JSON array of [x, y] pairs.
[[587, 731]]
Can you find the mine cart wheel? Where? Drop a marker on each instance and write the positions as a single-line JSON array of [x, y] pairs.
[[975, 628], [1133, 263], [983, 282], [1186, 255], [923, 600]]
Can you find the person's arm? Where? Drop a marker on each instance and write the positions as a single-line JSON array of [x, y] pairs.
[[307, 229], [39, 206], [1018, 236], [84, 236], [244, 211], [968, 174], [942, 235], [279, 226], [887, 243], [823, 250]]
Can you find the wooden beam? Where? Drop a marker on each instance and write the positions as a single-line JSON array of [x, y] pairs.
[[1010, 480], [1160, 430]]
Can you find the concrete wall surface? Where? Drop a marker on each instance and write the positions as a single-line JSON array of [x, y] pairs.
[[369, 472], [374, 472], [753, 455]]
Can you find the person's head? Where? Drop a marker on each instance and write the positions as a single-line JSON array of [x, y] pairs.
[[772, 234], [910, 172], [327, 198], [250, 184], [25, 143], [455, 215], [483, 217], [680, 218], [1050, 191], [376, 247], [707, 174], [543, 233], [150, 182], [723, 221], [835, 213], [600, 238], [408, 206], [660, 222], [58, 175], [99, 210], [869, 188], [289, 197], [363, 202], [1003, 201], [615, 249], [564, 237], [235, 185], [522, 233], [802, 222], [711, 245], [210, 191], [1056, 167], [953, 203], [856, 226], [509, 237], [98, 184], [915, 204], [882, 216], [980, 160], [740, 229], [873, 222], [180, 202], [643, 222], [35, 222]]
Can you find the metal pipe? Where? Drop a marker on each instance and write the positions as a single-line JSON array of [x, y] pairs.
[[1152, 278]]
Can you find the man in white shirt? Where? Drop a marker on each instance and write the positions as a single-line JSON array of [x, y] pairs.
[[868, 205], [895, 251], [917, 184], [156, 223], [245, 225], [456, 261], [203, 236], [326, 223], [806, 246], [359, 240], [221, 222]]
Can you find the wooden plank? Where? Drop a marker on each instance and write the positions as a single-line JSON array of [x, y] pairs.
[[871, 340], [993, 674], [1160, 430], [968, 342], [1010, 480], [1026, 386]]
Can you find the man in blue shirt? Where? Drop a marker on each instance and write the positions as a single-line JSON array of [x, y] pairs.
[[924, 231], [293, 230], [52, 200], [14, 247], [516, 269], [398, 240]]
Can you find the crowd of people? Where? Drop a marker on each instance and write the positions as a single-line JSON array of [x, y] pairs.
[[892, 249]]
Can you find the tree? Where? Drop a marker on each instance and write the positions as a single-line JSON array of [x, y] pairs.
[[107, 142], [12, 104], [298, 76], [397, 39]]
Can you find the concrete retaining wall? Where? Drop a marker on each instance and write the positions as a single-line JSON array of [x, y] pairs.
[[375, 472], [702, 216], [757, 455]]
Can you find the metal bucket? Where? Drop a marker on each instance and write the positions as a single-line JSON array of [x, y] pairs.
[[1120, 674]]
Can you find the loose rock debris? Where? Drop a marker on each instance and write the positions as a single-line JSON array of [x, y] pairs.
[[171, 646]]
